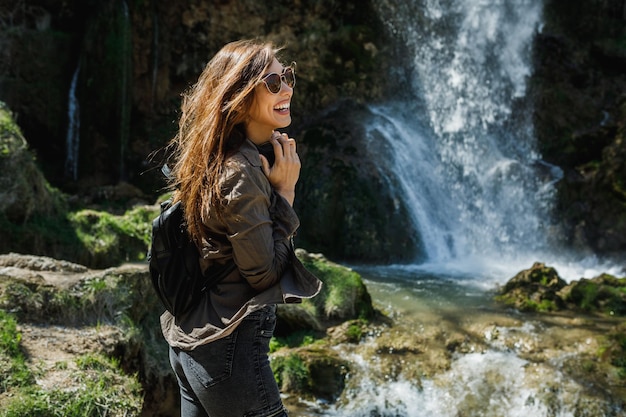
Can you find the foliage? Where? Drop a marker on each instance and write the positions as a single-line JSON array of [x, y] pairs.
[[10, 133], [293, 340], [290, 372], [108, 237], [13, 369]]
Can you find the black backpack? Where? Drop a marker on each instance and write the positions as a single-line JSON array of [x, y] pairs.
[[174, 262]]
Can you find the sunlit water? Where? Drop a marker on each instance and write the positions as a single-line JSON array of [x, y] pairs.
[[497, 380]]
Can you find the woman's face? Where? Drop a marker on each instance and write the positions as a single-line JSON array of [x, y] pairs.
[[269, 111]]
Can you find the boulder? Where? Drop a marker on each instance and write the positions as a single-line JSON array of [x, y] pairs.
[[534, 289]]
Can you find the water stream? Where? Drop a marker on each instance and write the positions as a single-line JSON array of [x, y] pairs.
[[73, 129]]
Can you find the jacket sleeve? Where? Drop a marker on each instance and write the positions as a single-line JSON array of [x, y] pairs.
[[259, 224]]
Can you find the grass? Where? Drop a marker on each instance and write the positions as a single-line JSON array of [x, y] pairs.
[[103, 390], [99, 387], [13, 369]]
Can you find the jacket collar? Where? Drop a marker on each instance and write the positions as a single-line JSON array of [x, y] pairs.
[[249, 150]]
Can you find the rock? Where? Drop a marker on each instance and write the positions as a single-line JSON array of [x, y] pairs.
[[604, 294], [343, 295], [39, 263], [312, 371], [347, 203], [534, 289], [24, 192], [541, 289]]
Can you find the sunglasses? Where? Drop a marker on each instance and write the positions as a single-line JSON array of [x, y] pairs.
[[274, 81]]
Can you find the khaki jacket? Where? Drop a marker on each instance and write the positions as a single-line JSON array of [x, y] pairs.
[[255, 230]]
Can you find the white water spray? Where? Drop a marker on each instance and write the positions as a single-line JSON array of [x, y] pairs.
[[490, 384], [463, 150]]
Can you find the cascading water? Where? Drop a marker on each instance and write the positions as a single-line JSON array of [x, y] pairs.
[[464, 148], [73, 130]]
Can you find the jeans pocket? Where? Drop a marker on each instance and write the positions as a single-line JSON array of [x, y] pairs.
[[213, 362], [267, 322]]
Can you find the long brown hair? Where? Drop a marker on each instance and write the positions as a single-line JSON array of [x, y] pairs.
[[211, 126]]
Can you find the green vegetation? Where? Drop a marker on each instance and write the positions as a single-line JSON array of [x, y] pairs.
[[107, 237], [614, 349], [103, 390], [290, 372], [10, 133], [605, 294], [344, 296], [296, 339], [112, 304], [13, 369], [540, 289]]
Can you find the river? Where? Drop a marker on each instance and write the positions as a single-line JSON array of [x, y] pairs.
[[452, 351]]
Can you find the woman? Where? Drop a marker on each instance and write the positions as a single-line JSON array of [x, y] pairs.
[[238, 209]]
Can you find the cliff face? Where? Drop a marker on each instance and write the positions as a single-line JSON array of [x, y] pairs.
[[124, 63], [579, 88], [131, 59]]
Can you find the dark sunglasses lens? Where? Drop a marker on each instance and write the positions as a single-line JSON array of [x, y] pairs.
[[273, 83], [290, 77]]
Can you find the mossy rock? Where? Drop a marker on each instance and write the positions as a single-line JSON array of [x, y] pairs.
[[315, 370], [343, 296], [24, 192], [604, 294], [534, 289], [111, 239], [615, 349], [541, 289]]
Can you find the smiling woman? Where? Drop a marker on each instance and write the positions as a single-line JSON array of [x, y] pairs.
[[238, 209]]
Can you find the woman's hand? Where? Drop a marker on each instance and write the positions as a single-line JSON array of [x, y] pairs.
[[284, 174]]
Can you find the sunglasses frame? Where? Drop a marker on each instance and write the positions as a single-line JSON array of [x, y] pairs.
[[292, 68]]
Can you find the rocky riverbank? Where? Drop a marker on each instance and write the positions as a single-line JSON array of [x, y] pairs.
[[70, 326], [74, 325]]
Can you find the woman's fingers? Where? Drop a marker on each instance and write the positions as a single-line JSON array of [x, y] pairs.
[[284, 146], [285, 172]]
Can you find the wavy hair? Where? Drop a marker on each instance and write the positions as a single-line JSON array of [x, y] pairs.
[[211, 125]]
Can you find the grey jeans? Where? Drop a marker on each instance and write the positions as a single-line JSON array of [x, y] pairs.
[[231, 377]]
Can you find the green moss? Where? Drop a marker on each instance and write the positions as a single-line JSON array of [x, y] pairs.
[[10, 134], [605, 294], [293, 340], [111, 239], [343, 295], [354, 333], [290, 372]]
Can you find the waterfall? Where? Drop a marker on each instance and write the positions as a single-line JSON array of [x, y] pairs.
[[72, 141], [460, 150], [463, 146]]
